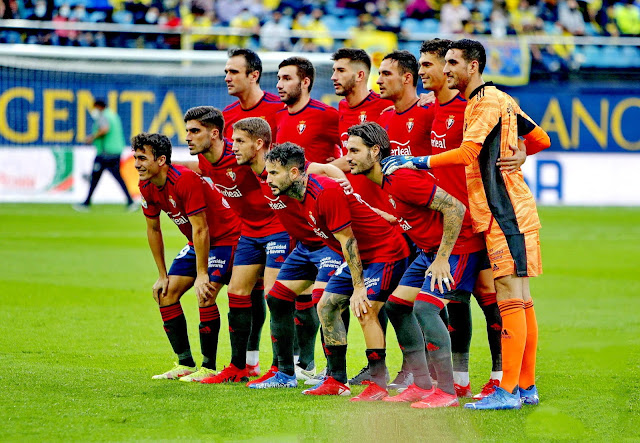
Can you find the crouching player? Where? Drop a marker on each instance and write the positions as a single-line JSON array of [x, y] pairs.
[[375, 257], [446, 268], [212, 229]]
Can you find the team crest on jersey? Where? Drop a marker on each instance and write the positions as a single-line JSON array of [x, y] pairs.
[[312, 218], [302, 126], [410, 125], [231, 174], [363, 116], [450, 121], [172, 201]]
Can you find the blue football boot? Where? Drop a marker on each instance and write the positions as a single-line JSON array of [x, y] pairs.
[[500, 399], [529, 396], [278, 380]]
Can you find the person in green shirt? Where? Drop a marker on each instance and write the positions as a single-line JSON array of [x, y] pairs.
[[108, 138]]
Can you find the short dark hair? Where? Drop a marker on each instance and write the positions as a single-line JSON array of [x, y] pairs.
[[256, 127], [471, 50], [251, 58], [305, 68], [372, 134], [100, 103], [160, 144], [407, 62], [288, 155], [207, 116], [437, 46], [354, 55]]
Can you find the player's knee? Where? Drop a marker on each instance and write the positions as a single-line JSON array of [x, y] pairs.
[[369, 318]]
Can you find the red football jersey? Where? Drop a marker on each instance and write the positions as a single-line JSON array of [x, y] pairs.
[[446, 134], [314, 128], [185, 194], [242, 190], [368, 110], [412, 193], [328, 209], [266, 108], [290, 215], [409, 131]]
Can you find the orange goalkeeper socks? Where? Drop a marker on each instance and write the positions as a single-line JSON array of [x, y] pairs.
[[514, 335], [528, 371]]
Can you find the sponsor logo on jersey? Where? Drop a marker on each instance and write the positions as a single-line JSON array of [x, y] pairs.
[[233, 192], [404, 224], [410, 125], [231, 174], [178, 218], [438, 141], [276, 203], [398, 148], [312, 218], [363, 116], [393, 202], [225, 203], [301, 126], [450, 121], [143, 202], [172, 201]]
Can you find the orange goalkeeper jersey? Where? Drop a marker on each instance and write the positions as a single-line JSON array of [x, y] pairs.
[[493, 121]]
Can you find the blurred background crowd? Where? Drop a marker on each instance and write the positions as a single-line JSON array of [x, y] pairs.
[[267, 24]]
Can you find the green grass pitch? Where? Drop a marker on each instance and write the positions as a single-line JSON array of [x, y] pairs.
[[80, 337]]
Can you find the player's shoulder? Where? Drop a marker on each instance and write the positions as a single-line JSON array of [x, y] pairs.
[[320, 106], [319, 184], [144, 186], [271, 98], [410, 177], [178, 174], [231, 107]]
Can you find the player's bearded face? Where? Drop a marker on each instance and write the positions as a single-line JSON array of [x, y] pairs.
[[390, 80], [455, 69], [244, 148], [343, 78], [291, 93], [278, 178], [198, 137], [359, 156], [236, 75]]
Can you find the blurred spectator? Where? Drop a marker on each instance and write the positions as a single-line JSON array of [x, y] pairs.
[[41, 36], [274, 35], [476, 24], [151, 17], [548, 11], [419, 9], [322, 40], [627, 16], [523, 18], [170, 20], [226, 10], [498, 22], [195, 19], [245, 21], [65, 37], [570, 18], [6, 10], [40, 11], [452, 16]]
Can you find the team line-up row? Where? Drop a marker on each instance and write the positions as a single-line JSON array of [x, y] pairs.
[[390, 207]]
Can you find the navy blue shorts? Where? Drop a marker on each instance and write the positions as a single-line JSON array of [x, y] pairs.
[[310, 264], [381, 279], [270, 251], [464, 269], [220, 260]]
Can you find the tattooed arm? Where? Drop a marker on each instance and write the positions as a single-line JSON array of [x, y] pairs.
[[359, 300], [330, 313], [452, 212]]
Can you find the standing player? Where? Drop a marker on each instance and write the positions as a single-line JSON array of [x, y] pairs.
[[408, 124], [264, 244], [449, 259], [446, 134], [305, 121], [311, 263], [502, 207], [242, 75], [375, 258], [212, 229]]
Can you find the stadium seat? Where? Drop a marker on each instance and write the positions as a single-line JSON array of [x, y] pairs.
[[97, 17], [591, 56], [631, 56], [412, 25], [348, 22], [611, 57], [430, 25], [123, 17]]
